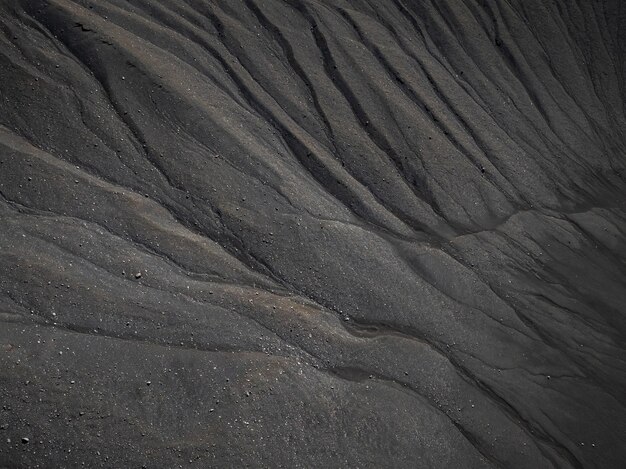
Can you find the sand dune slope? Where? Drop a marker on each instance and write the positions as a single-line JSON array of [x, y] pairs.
[[298, 233]]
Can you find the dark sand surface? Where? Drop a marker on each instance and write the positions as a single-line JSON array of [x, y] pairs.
[[313, 233]]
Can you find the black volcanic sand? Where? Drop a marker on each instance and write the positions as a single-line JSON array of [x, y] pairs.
[[298, 233]]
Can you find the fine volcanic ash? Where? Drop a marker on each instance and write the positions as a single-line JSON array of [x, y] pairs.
[[313, 233]]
